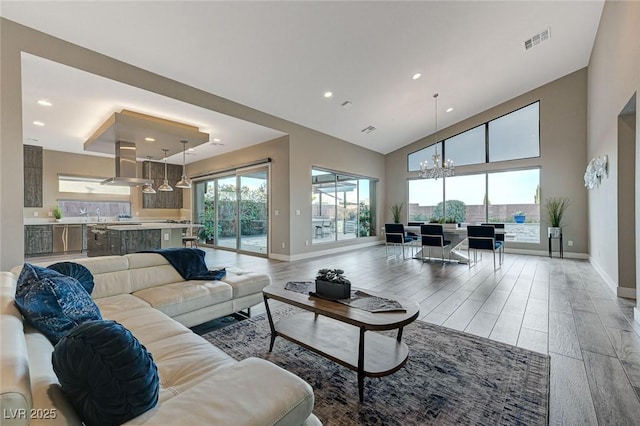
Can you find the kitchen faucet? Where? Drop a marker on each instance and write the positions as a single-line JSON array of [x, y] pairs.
[[83, 212], [98, 213]]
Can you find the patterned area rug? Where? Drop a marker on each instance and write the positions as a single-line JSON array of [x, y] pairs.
[[451, 378]]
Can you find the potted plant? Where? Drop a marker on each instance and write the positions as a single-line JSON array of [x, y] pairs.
[[332, 284], [396, 211], [57, 213], [450, 223], [519, 216], [556, 208]]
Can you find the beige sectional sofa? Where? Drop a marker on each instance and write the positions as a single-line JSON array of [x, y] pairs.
[[199, 383]]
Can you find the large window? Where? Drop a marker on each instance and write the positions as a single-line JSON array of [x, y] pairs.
[[342, 206], [465, 198], [89, 185], [426, 154], [514, 199], [467, 147], [513, 136], [510, 197], [424, 196]]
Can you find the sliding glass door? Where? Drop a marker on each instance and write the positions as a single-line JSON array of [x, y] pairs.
[[233, 210], [253, 211], [226, 201]]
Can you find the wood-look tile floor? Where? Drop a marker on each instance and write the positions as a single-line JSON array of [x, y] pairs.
[[559, 307]]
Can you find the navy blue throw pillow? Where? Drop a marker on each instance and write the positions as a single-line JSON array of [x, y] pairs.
[[77, 271], [106, 373], [52, 302]]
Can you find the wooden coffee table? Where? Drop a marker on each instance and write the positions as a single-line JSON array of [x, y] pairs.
[[337, 332]]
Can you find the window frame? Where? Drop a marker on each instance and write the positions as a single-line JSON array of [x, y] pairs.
[[487, 137], [372, 200]]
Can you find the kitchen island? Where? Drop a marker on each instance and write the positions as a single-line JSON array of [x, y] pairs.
[[104, 239]]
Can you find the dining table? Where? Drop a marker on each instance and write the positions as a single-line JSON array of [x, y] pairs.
[[457, 236]]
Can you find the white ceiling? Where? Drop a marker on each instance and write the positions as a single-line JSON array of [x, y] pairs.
[[280, 58]]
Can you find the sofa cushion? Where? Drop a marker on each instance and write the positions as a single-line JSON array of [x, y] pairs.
[[110, 274], [246, 282], [106, 373], [53, 303], [185, 296], [77, 271], [251, 392]]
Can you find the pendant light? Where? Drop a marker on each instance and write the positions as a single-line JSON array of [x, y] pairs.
[[147, 188], [165, 186], [184, 182]]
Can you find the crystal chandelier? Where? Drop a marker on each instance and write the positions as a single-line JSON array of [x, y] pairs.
[[438, 170]]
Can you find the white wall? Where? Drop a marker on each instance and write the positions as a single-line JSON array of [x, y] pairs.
[[613, 78]]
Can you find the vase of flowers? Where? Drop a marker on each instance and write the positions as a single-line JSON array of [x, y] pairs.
[[332, 284]]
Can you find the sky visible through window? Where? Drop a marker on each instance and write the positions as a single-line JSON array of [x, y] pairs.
[[511, 187]]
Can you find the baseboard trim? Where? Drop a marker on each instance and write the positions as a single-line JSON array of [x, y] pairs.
[[627, 292], [611, 283], [334, 250], [568, 255], [310, 255]]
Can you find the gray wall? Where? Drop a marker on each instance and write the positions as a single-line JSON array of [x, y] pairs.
[[563, 124], [292, 186], [614, 77]]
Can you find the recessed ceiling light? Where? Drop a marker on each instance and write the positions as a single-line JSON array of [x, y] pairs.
[[38, 123], [149, 139], [328, 94], [216, 139], [44, 102], [449, 109], [191, 150], [417, 76]]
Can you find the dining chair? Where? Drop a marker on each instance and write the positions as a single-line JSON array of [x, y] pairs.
[[394, 235], [327, 227], [433, 236], [483, 238], [497, 225], [413, 234]]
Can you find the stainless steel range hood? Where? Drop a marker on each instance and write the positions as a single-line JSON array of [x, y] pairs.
[[119, 134], [126, 168]]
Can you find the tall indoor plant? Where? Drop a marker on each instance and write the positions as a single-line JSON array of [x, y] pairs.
[[556, 208], [396, 211]]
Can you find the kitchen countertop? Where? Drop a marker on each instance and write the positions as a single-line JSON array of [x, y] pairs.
[[93, 221], [157, 225]]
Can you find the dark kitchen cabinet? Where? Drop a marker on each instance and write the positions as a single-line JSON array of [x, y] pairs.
[[38, 239], [123, 242], [161, 199], [32, 176]]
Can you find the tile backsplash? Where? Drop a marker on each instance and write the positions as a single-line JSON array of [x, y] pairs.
[[73, 208]]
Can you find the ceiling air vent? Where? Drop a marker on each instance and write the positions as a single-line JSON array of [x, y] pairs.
[[368, 129], [537, 39]]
